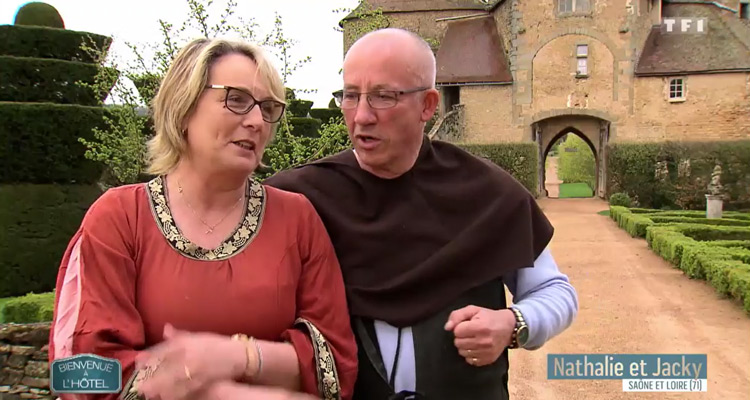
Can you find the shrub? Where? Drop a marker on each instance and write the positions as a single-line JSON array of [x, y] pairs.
[[326, 114], [724, 264], [49, 80], [39, 14], [518, 159], [577, 164], [42, 42], [39, 143], [33, 307], [620, 199], [632, 167], [36, 224], [305, 127], [300, 108]]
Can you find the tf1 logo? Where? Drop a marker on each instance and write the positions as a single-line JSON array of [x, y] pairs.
[[687, 25]]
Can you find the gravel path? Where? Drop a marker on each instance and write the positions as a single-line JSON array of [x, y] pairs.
[[631, 301]]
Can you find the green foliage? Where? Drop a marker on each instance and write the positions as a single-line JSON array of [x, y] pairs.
[[732, 227], [575, 190], [305, 127], [39, 14], [633, 168], [326, 114], [519, 159], [299, 108], [38, 143], [33, 307], [725, 265], [42, 42], [120, 146], [37, 223], [577, 163], [48, 80], [288, 150], [332, 103], [620, 199]]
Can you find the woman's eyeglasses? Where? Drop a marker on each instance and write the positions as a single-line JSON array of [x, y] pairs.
[[241, 102]]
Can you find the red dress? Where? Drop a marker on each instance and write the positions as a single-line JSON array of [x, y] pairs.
[[128, 271]]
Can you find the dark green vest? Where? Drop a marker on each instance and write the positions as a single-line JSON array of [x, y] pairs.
[[441, 373]]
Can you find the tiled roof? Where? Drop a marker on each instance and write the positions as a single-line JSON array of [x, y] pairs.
[[719, 49], [472, 52]]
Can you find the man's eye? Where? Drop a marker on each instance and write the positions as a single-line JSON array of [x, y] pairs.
[[350, 96]]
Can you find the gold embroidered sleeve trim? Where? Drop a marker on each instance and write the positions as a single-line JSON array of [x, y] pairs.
[[328, 378]]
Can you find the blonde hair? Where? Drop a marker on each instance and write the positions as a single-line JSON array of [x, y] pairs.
[[181, 88]]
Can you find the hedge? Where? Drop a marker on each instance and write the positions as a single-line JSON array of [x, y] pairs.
[[48, 80], [36, 224], [39, 143], [520, 160], [636, 223], [33, 307], [631, 168], [299, 108], [725, 266], [326, 114], [42, 42], [305, 127]]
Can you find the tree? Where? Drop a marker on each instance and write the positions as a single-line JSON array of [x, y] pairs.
[[121, 146]]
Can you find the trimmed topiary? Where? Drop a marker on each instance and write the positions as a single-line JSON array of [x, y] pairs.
[[39, 14]]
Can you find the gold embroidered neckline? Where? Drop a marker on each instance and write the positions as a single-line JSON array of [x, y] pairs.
[[242, 236]]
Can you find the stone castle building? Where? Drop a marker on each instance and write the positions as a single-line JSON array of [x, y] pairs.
[[605, 70]]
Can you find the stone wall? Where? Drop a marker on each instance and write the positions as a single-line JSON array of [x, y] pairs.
[[24, 370]]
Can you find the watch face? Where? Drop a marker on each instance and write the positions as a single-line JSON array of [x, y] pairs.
[[523, 335]]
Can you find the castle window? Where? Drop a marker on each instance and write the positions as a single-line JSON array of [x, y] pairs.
[[573, 6], [677, 89], [745, 10], [582, 61]]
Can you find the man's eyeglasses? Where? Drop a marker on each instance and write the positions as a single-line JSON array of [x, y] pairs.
[[241, 102], [378, 99]]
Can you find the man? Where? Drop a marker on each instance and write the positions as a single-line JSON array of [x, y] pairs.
[[427, 235]]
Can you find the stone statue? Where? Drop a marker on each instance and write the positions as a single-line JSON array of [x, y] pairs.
[[714, 188]]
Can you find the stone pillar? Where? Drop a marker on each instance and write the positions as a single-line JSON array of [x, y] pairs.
[[714, 206]]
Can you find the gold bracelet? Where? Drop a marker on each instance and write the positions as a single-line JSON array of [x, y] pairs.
[[249, 372]]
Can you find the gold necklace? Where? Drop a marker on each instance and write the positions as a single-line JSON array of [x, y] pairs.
[[210, 228]]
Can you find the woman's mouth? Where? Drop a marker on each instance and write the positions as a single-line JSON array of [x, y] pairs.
[[244, 144]]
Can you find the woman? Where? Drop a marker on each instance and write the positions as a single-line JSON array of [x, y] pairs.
[[204, 283]]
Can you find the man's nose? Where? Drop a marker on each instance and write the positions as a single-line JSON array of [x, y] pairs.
[[363, 113]]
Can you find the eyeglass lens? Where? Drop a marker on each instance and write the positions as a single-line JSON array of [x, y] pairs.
[[241, 102]]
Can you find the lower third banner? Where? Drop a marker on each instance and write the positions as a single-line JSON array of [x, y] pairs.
[[638, 372]]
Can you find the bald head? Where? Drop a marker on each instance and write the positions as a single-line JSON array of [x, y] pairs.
[[413, 52]]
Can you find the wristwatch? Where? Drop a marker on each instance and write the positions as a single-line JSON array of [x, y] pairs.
[[520, 332]]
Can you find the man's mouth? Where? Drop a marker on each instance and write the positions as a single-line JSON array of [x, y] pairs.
[[367, 138], [245, 144]]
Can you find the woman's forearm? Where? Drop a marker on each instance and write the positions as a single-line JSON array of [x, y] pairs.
[[274, 364]]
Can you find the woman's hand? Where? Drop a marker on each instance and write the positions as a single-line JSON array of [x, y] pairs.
[[186, 363]]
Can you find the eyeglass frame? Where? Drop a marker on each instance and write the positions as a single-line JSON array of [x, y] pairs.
[[398, 94], [255, 102]]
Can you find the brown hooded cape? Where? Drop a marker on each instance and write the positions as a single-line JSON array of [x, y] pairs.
[[408, 246]]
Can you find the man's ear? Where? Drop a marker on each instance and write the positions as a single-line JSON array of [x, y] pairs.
[[431, 101]]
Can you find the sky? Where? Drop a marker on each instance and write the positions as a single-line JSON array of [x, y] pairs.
[[309, 23]]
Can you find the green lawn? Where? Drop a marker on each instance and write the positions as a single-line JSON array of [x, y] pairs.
[[573, 190]]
